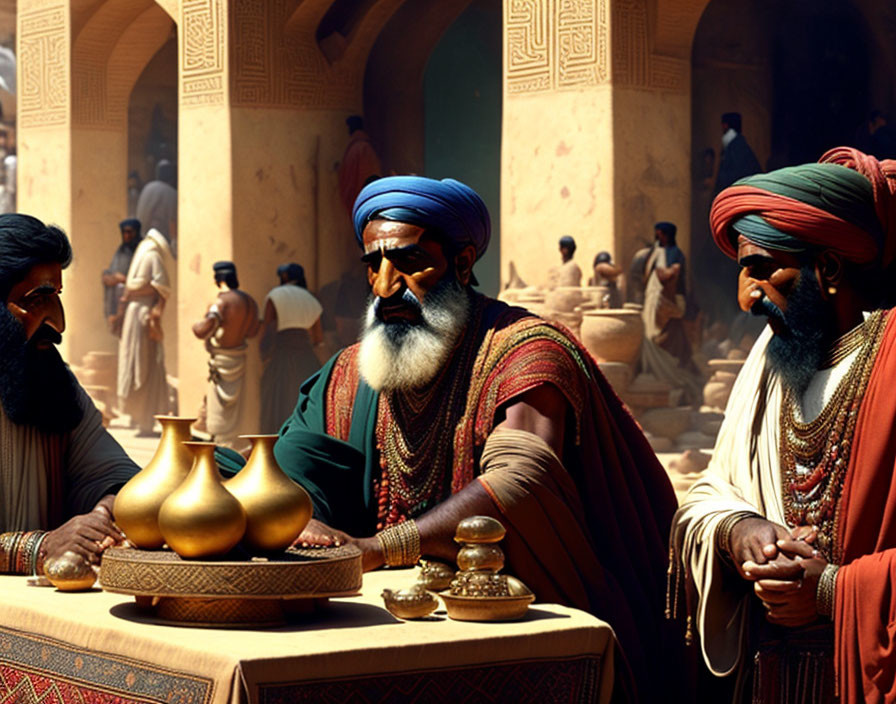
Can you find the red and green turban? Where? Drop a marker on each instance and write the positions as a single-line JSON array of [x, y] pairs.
[[845, 203]]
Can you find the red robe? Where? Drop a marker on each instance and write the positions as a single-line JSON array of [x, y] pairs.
[[865, 602]]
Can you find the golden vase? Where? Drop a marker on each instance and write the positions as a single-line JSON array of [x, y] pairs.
[[277, 508], [136, 508], [201, 518]]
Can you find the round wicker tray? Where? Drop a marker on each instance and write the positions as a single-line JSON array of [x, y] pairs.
[[257, 592]]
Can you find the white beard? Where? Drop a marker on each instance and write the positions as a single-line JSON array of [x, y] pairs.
[[389, 362]]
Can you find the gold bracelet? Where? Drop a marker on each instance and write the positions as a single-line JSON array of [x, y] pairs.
[[726, 528], [400, 544], [826, 590]]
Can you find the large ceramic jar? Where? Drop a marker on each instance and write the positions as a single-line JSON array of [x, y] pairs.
[[136, 507], [277, 509], [201, 518], [613, 335]]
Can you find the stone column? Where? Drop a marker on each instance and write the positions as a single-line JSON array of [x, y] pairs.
[[72, 136], [596, 133], [262, 130], [44, 120]]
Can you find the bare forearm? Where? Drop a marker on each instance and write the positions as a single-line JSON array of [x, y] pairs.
[[437, 525]]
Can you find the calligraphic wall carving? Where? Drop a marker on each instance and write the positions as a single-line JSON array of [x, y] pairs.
[[271, 68], [560, 44], [555, 44], [203, 53], [634, 64], [43, 97]]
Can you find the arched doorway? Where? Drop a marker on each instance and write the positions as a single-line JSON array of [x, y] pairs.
[[799, 94], [432, 100], [462, 95]]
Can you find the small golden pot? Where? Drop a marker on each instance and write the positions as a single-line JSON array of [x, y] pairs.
[[411, 603], [479, 529], [201, 518], [482, 556], [277, 509], [69, 572], [136, 508]]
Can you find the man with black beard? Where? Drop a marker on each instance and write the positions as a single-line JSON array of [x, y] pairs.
[[454, 404], [787, 543], [59, 468]]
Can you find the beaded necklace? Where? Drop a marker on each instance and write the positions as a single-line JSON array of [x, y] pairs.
[[815, 455], [415, 434]]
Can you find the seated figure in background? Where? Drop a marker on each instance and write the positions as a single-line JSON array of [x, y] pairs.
[[567, 273], [605, 275], [59, 467], [454, 404]]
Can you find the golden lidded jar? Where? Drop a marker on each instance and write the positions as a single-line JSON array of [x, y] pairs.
[[201, 518], [136, 507], [277, 508]]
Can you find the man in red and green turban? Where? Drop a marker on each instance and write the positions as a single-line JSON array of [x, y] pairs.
[[788, 542]]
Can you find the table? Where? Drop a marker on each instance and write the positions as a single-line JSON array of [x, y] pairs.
[[97, 647]]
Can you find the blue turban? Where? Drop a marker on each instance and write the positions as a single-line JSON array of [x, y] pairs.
[[449, 206]]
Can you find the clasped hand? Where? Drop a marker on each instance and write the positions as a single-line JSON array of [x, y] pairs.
[[88, 535], [783, 566]]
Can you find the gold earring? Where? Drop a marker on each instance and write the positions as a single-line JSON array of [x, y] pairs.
[[832, 290]]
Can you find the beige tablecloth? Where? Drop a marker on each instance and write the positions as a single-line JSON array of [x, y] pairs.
[[97, 647]]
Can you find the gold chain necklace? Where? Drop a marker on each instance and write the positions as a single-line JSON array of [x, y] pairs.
[[822, 446], [415, 434], [843, 346]]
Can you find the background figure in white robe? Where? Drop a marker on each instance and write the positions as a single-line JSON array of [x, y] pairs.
[[142, 382]]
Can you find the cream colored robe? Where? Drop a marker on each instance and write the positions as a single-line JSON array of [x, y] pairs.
[[142, 383], [86, 464], [743, 475]]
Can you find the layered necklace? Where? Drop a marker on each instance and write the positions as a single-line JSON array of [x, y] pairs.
[[815, 455], [415, 434]]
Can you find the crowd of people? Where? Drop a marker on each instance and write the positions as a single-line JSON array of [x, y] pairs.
[[777, 568]]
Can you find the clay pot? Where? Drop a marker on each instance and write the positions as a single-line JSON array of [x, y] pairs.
[[718, 389], [136, 508], [563, 299], [618, 374], [201, 518], [277, 509], [667, 422], [613, 335]]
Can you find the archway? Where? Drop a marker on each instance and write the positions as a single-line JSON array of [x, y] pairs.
[[462, 95], [799, 94]]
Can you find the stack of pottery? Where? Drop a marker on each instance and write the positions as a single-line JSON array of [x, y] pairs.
[[718, 388], [179, 499], [478, 592], [562, 305]]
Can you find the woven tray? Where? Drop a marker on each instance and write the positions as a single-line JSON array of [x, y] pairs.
[[224, 593]]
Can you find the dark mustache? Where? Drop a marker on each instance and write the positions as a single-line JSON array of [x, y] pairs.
[[406, 299], [765, 307], [45, 333]]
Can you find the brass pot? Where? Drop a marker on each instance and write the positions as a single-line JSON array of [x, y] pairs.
[[136, 508], [201, 518], [69, 572], [277, 509], [479, 529], [482, 556]]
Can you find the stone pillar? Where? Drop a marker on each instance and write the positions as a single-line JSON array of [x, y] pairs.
[[262, 130], [44, 119], [596, 133], [72, 135]]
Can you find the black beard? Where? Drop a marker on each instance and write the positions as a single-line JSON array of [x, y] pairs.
[[796, 352], [36, 387]]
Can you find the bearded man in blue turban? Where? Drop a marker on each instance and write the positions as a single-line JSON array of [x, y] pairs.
[[454, 404]]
